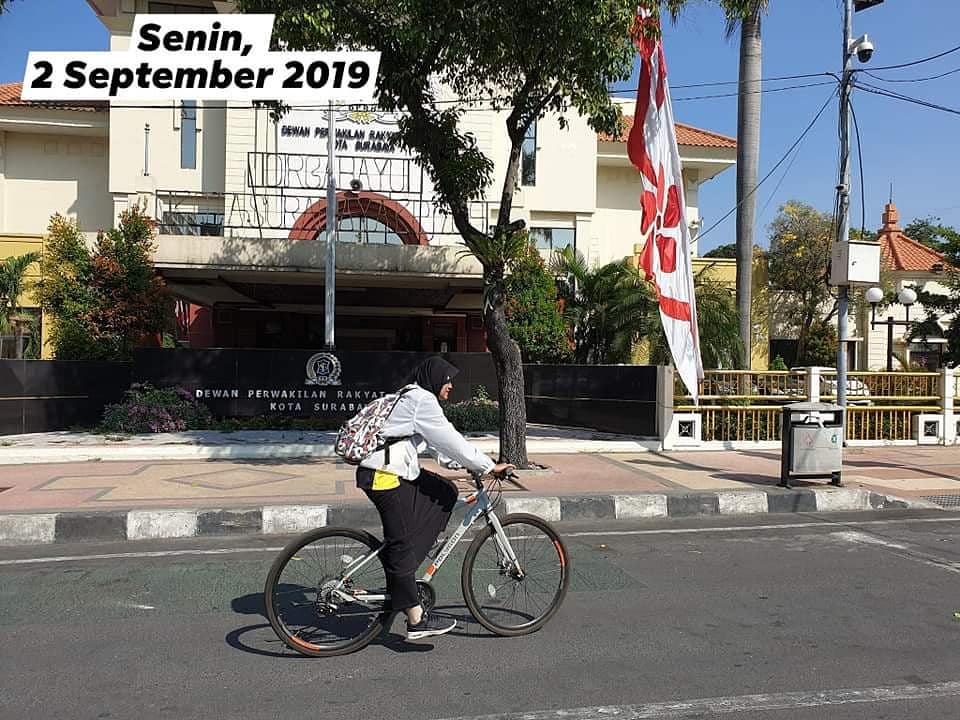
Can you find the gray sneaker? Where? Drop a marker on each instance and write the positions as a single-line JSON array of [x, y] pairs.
[[429, 626]]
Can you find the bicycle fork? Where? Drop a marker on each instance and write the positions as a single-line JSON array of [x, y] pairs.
[[504, 546]]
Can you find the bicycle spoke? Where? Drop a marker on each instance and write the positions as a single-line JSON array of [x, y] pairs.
[[517, 596]]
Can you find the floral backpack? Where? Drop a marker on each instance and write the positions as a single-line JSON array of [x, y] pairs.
[[362, 435]]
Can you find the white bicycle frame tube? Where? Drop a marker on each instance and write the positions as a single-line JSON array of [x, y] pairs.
[[480, 501]]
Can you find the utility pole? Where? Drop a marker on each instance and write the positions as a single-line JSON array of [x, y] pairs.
[[843, 189], [330, 267], [853, 263]]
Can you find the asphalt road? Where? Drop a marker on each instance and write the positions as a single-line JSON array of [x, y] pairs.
[[776, 617]]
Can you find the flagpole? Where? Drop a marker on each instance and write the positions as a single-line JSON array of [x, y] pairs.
[[330, 269]]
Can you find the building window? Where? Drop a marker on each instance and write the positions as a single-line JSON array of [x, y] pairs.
[[553, 238], [359, 229], [188, 135], [528, 157], [192, 223]]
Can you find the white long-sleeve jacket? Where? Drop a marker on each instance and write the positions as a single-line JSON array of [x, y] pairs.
[[419, 418]]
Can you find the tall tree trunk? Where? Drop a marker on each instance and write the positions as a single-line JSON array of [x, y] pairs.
[[748, 159], [505, 351], [513, 410]]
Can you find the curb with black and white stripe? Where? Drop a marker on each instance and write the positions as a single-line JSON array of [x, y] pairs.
[[26, 528]]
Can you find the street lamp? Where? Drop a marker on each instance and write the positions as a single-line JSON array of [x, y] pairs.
[[906, 297]]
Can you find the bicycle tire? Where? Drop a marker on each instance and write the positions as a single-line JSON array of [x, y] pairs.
[[467, 576], [300, 645]]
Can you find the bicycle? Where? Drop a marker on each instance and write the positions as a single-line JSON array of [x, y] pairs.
[[322, 610]]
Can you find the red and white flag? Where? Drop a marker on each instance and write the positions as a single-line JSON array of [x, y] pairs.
[[666, 255]]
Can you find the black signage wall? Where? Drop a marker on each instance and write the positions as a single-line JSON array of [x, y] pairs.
[[299, 383], [609, 398], [45, 395]]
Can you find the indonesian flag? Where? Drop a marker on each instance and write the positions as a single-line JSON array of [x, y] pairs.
[[652, 148]]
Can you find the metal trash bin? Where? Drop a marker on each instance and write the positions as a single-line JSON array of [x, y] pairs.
[[812, 442]]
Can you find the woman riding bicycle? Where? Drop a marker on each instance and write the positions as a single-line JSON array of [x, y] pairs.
[[414, 504]]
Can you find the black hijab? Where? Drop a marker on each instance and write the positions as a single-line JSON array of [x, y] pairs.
[[433, 373]]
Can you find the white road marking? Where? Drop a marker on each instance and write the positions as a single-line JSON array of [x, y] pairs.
[[137, 606], [902, 551], [700, 707], [866, 539], [593, 533], [157, 553]]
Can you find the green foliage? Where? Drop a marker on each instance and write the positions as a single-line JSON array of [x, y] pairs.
[[103, 302], [146, 409], [821, 348], [934, 234], [728, 251], [801, 239], [13, 283], [608, 308], [533, 313], [479, 414], [778, 364]]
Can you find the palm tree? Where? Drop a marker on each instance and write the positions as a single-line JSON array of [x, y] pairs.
[[608, 308], [13, 274], [745, 16]]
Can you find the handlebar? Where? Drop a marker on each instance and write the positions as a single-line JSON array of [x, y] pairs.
[[478, 477]]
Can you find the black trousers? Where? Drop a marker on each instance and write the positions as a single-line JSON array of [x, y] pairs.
[[413, 516]]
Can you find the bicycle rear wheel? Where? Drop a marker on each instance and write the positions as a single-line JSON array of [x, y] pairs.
[[302, 605], [516, 600]]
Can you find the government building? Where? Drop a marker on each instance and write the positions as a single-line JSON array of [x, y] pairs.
[[240, 205]]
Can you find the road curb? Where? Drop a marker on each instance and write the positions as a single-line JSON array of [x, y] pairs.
[[154, 524]]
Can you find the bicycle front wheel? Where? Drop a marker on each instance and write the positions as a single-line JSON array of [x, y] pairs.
[[516, 599], [302, 594]]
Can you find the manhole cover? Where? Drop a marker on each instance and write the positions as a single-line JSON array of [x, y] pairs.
[[943, 500]]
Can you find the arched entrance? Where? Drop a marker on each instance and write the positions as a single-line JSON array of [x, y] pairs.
[[362, 217]]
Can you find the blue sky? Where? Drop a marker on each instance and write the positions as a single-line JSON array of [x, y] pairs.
[[916, 148]]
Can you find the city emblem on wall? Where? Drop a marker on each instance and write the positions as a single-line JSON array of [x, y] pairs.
[[323, 369]]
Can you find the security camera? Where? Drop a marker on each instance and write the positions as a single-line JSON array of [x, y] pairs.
[[356, 185], [863, 47]]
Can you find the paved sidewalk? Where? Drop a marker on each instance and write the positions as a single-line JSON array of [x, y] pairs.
[[148, 499]]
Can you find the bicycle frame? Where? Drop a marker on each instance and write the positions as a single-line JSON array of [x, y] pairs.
[[480, 505]]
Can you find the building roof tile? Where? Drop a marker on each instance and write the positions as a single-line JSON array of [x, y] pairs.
[[899, 253], [10, 97], [686, 135]]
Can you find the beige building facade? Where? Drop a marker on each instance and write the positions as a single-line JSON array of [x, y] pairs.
[[240, 203]]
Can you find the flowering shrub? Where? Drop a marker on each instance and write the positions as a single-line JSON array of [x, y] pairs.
[[480, 414], [146, 409]]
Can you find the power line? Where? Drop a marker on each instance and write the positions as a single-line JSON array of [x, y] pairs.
[[863, 195], [916, 62], [911, 80], [906, 98], [774, 168], [467, 104], [733, 82], [753, 92]]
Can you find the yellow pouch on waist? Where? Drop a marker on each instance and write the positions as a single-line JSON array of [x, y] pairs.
[[383, 480]]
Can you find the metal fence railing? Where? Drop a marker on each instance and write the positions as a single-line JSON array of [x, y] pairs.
[[746, 406]]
